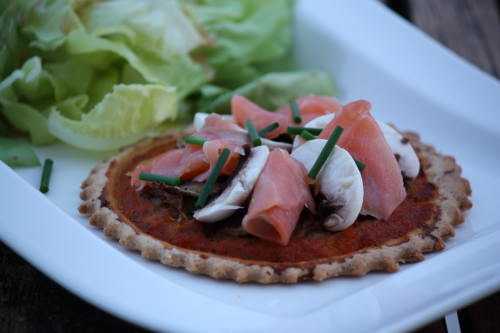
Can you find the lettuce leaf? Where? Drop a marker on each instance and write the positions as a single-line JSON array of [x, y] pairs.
[[156, 25], [124, 116], [17, 153], [32, 84], [273, 90], [245, 33], [101, 74], [179, 70], [49, 22]]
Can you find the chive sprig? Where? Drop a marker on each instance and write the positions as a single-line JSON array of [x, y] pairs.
[[325, 152], [268, 129], [307, 136], [252, 132], [295, 112], [212, 178], [151, 177], [296, 130], [194, 140], [46, 173]]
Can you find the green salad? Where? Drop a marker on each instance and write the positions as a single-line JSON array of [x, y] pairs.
[[99, 75]]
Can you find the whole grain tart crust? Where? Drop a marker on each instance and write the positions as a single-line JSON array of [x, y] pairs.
[[436, 202]]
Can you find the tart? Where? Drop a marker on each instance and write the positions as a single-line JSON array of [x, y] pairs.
[[157, 222]]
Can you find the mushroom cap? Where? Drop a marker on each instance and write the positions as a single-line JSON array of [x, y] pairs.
[[339, 181]]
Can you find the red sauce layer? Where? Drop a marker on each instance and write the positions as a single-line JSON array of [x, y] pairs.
[[166, 221]]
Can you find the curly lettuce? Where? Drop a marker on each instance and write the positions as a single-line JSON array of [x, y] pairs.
[[102, 74]]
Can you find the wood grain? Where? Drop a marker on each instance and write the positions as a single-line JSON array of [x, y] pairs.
[[471, 28]]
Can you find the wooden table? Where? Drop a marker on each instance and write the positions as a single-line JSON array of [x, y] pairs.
[[31, 302]]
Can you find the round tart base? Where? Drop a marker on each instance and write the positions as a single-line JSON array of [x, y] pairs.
[[436, 203]]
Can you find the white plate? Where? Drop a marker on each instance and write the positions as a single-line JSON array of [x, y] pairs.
[[374, 55]]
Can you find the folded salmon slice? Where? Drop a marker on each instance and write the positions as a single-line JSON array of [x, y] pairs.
[[280, 194], [244, 109], [222, 133], [362, 138], [310, 107], [196, 162], [166, 164]]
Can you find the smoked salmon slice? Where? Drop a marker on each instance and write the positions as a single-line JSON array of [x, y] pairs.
[[194, 161], [280, 194], [222, 133], [362, 138], [244, 109], [310, 107]]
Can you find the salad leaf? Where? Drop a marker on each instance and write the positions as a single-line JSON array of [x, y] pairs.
[[245, 33], [29, 83], [102, 74], [125, 115], [49, 21], [178, 70], [156, 25], [3, 128], [17, 153], [274, 90], [13, 46]]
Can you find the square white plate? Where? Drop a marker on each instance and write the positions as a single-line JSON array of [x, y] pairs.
[[374, 55]]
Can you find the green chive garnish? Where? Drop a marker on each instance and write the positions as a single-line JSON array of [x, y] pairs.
[[194, 140], [252, 132], [307, 136], [151, 177], [269, 128], [295, 112], [46, 172], [293, 130], [361, 166], [212, 178], [325, 152]]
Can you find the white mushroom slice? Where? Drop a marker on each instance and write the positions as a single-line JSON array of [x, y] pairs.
[[339, 181], [318, 122], [199, 122], [406, 156], [238, 190], [276, 144]]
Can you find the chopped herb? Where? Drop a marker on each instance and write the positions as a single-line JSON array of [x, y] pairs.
[[151, 177], [194, 140], [295, 112], [212, 178], [293, 130], [252, 132], [307, 136], [46, 173], [268, 129], [325, 152], [361, 166]]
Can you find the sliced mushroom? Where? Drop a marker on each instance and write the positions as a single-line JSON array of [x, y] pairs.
[[238, 190], [407, 158], [339, 181], [199, 122], [276, 144]]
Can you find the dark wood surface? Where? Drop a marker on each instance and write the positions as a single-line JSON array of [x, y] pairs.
[[30, 302]]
